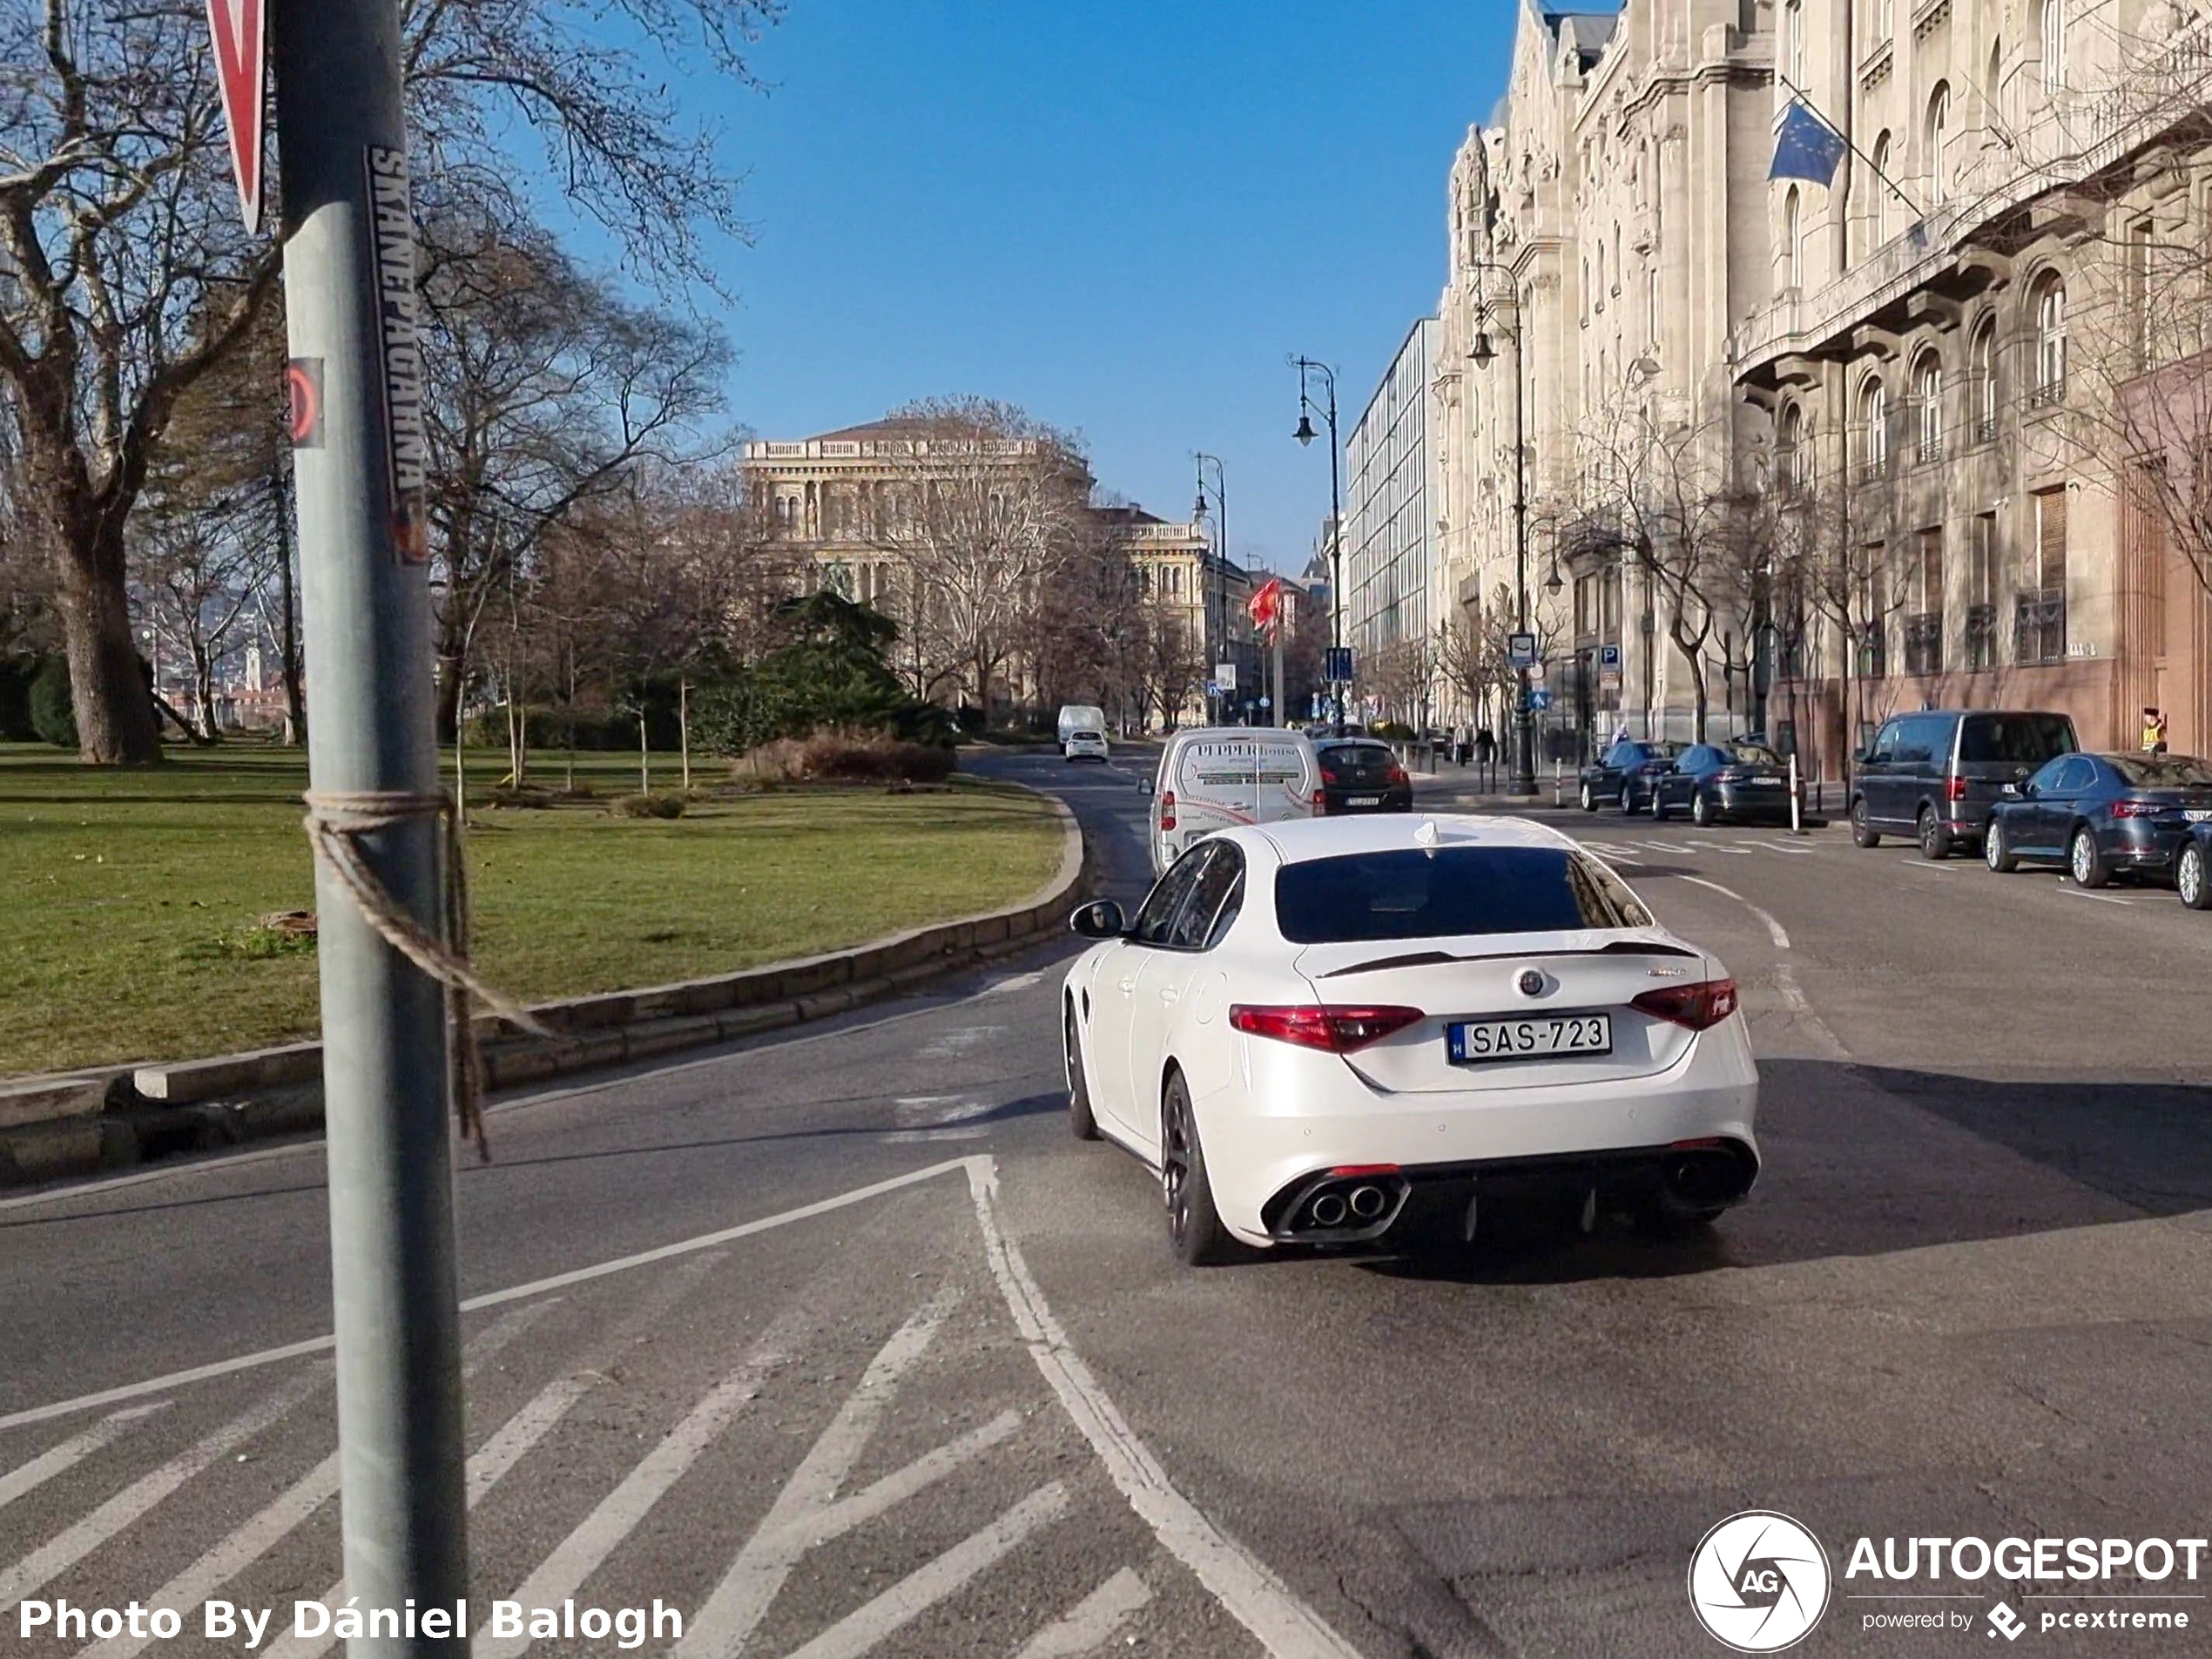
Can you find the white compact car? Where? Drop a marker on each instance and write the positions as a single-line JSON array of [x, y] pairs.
[[1358, 1031], [1085, 746]]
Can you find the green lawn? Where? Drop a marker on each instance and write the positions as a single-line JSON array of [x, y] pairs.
[[131, 898]]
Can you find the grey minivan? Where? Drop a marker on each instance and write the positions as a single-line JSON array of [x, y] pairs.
[[1935, 775]]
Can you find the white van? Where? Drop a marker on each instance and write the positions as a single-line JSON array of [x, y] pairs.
[[1075, 717], [1219, 777]]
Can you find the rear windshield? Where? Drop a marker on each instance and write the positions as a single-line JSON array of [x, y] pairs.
[[2162, 771], [1450, 892], [1357, 754], [1752, 754], [2023, 740]]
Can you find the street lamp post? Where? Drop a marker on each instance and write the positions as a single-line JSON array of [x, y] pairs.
[[1217, 583], [1524, 763], [1307, 369]]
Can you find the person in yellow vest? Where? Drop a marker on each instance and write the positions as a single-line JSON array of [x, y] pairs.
[[2154, 731]]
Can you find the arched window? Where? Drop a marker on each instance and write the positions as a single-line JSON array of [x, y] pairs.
[[1873, 429], [1995, 84], [1586, 290], [1651, 303], [1984, 371], [1789, 452], [2050, 339], [1927, 399], [1793, 241], [1619, 269], [1877, 210], [1940, 144], [1599, 292], [2053, 22]]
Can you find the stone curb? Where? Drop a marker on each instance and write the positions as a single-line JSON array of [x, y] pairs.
[[110, 1118]]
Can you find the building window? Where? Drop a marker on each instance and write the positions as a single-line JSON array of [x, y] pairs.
[[2039, 607], [1873, 613], [1877, 210], [2054, 32], [1938, 146], [1651, 306], [1793, 42], [1923, 624], [1984, 361], [1793, 241], [1927, 399], [2050, 340], [1981, 592], [1874, 431], [1885, 20], [1789, 451]]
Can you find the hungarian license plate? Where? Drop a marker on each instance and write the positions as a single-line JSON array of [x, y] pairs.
[[1476, 1041], [2196, 817], [1362, 801]]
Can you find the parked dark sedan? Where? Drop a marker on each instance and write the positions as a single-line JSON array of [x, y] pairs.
[[1712, 781], [1623, 774], [2100, 815], [1359, 775]]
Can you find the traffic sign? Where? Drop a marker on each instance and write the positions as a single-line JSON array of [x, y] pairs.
[[1266, 702], [1224, 675], [1521, 650], [1340, 665], [240, 29], [1539, 701], [1213, 688], [1609, 665]]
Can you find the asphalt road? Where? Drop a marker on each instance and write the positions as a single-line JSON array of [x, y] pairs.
[[907, 1370]]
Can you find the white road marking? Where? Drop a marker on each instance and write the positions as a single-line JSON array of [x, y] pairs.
[[1011, 983], [1252, 1594], [1773, 928], [513, 1440], [924, 1587], [597, 1535], [959, 1039], [1784, 846], [66, 1548], [1928, 869], [491, 1298], [75, 1450], [801, 1518], [1713, 847], [1088, 1625], [2082, 893], [295, 1504], [920, 1111], [1785, 980], [923, 1137]]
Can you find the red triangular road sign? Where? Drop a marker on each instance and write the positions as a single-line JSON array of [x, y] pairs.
[[240, 28]]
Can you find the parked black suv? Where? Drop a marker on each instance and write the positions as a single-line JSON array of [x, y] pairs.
[[1935, 775]]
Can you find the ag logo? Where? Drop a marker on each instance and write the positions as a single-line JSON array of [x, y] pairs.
[[1759, 1581]]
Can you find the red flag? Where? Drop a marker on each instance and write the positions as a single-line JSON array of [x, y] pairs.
[[1265, 605]]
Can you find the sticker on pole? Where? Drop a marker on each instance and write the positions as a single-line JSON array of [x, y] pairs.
[[241, 31], [303, 402], [392, 239]]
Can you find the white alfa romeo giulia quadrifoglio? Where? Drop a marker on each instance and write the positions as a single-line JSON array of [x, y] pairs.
[[1352, 1030]]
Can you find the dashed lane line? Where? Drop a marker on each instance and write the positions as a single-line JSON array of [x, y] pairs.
[[71, 1452], [2102, 898], [1238, 1579], [924, 1587], [1090, 1625]]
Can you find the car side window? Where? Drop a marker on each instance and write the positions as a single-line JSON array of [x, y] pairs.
[[1701, 759], [2046, 780], [1193, 924], [2074, 776], [1886, 744], [1914, 742], [1158, 911]]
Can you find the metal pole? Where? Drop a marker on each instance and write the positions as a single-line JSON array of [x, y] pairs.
[[1524, 765], [1336, 547], [349, 257]]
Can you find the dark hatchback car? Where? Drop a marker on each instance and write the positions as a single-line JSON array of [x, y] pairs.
[[2103, 815], [1712, 781], [1624, 774], [1936, 775], [1361, 775]]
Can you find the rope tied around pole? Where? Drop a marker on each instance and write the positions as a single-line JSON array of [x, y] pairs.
[[334, 823]]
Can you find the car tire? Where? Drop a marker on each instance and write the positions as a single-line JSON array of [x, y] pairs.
[[1081, 1120], [1590, 797], [1935, 840], [1195, 1231], [1660, 811], [1628, 800], [1863, 833], [2084, 863], [1701, 812], [1996, 851], [2193, 878]]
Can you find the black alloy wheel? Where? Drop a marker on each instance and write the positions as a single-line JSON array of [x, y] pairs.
[[1195, 1233], [1863, 833], [1935, 840], [1701, 810], [1628, 799], [1080, 1118]]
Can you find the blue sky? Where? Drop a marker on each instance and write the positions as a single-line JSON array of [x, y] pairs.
[[1122, 217]]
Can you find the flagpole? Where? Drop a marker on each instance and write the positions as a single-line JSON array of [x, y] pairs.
[[1804, 99]]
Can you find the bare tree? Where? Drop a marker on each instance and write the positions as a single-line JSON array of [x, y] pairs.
[[129, 276], [988, 505]]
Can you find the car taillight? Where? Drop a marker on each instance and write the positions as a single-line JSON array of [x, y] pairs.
[[1397, 776], [1954, 789], [1167, 809], [2136, 809], [1692, 1005], [1320, 800], [1334, 1030], [1328, 776]]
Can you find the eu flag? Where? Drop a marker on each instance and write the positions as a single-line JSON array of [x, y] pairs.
[[1805, 146]]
